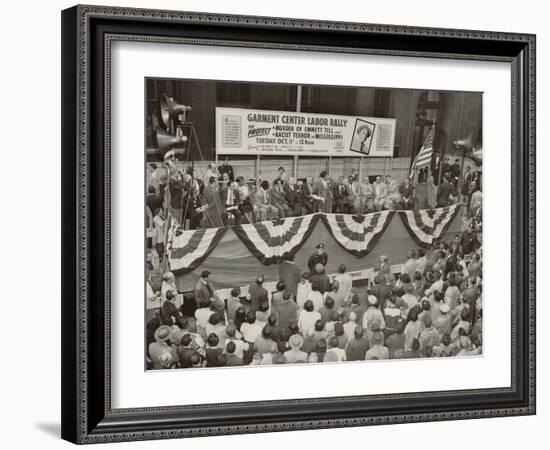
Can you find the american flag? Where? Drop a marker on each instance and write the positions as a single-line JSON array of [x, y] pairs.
[[425, 154]]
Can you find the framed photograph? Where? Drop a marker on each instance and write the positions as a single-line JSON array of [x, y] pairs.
[[279, 224]]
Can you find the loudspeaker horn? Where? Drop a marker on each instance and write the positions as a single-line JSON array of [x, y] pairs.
[[464, 143], [170, 109], [167, 141]]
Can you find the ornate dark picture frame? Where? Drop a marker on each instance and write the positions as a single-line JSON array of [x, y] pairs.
[[87, 35]]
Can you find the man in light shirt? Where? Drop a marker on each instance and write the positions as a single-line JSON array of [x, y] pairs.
[[421, 261], [378, 350], [410, 266], [308, 317], [304, 287], [344, 282]]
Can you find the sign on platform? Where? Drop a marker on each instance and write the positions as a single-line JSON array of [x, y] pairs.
[[260, 132]]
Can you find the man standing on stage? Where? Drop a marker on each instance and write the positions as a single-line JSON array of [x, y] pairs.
[[320, 256], [435, 163], [226, 168], [212, 203], [340, 196], [322, 190], [445, 193], [455, 172], [292, 197]]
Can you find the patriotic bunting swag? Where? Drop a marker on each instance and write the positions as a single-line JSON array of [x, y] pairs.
[[187, 249], [271, 241], [357, 234], [427, 225]]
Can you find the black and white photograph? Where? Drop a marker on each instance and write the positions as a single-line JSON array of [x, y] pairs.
[[300, 223]]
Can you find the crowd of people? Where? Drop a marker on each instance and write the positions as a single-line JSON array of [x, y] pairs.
[[220, 197], [431, 308]]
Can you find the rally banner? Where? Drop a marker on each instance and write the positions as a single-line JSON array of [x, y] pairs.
[[357, 234], [261, 132], [271, 241], [187, 249], [427, 225]]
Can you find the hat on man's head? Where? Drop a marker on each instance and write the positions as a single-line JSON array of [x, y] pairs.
[[296, 341], [169, 154], [444, 308], [162, 333], [205, 273], [372, 300], [165, 359], [218, 305], [318, 246]]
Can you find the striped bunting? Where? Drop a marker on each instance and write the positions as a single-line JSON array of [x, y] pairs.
[[427, 225], [357, 234], [187, 249], [272, 240]]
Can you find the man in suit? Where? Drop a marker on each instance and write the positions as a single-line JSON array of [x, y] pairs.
[[380, 194], [322, 189], [340, 196], [278, 198], [455, 172], [258, 294], [230, 201], [262, 202], [212, 203], [306, 192], [444, 193], [408, 193], [290, 275], [204, 289], [434, 166], [292, 197]]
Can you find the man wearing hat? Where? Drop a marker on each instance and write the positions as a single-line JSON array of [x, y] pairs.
[[161, 354], [378, 349], [295, 354], [443, 323], [319, 257], [204, 290]]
